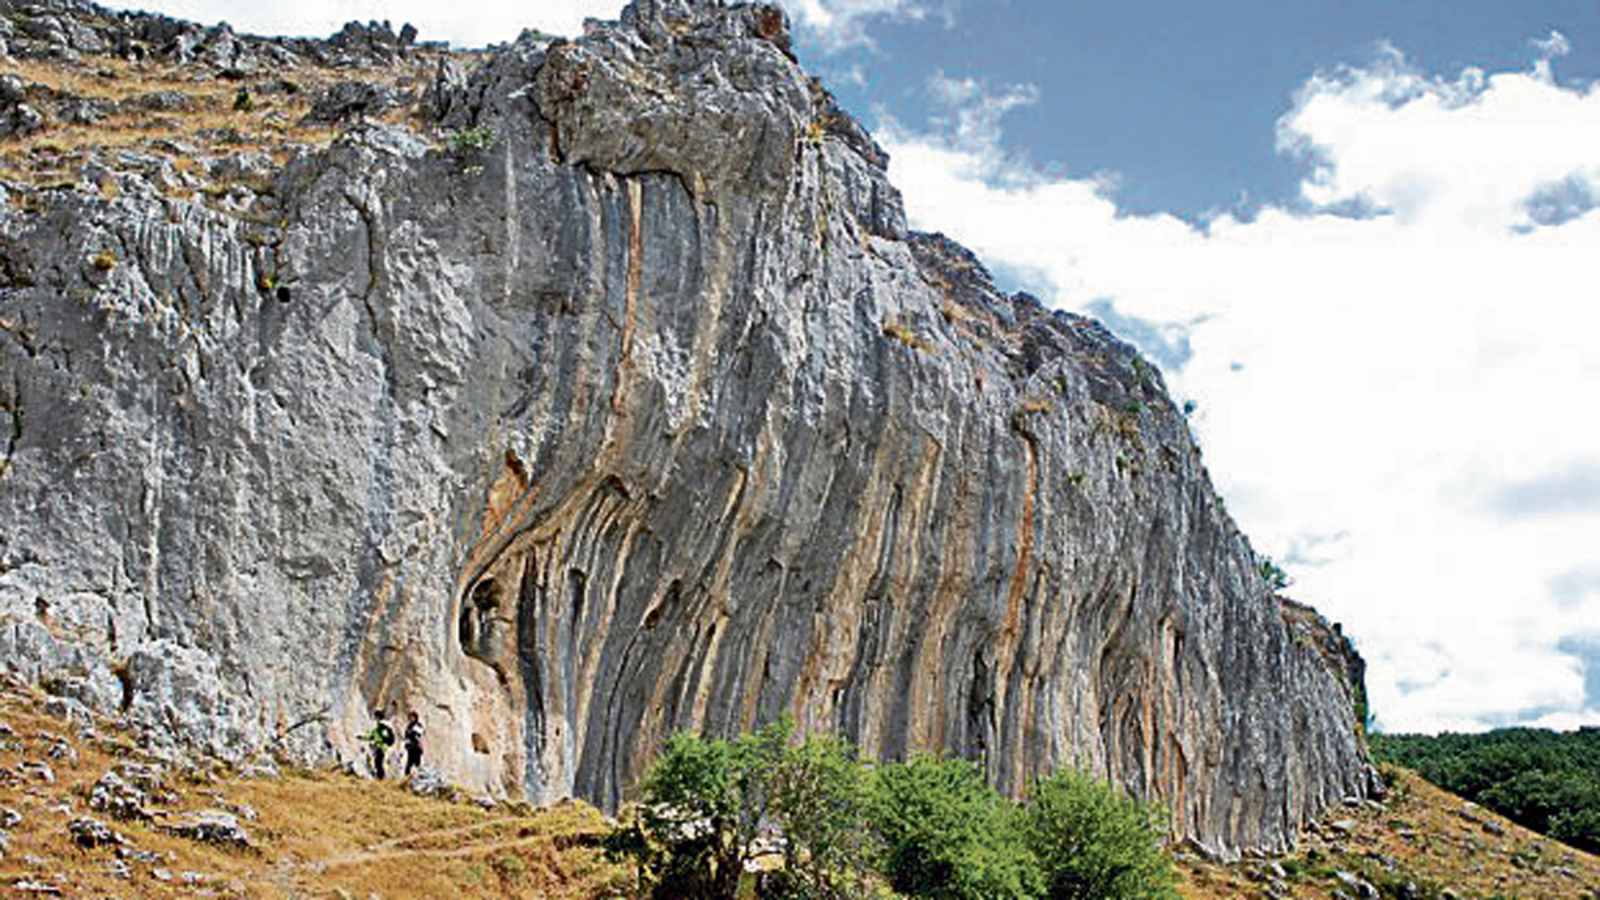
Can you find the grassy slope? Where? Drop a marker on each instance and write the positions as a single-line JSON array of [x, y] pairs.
[[1431, 840], [328, 835], [316, 835], [208, 122]]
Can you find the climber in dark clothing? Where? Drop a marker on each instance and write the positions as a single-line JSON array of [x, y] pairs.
[[382, 738], [413, 744]]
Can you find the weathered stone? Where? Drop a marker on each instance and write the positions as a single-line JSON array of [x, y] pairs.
[[118, 799], [427, 783], [37, 771], [1358, 886], [17, 117], [162, 101], [263, 769], [211, 827], [147, 777], [345, 101], [89, 833], [654, 417], [148, 857]]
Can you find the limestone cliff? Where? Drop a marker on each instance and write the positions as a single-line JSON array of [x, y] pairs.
[[604, 394]]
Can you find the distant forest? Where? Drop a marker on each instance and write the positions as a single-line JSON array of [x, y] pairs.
[[1544, 780]]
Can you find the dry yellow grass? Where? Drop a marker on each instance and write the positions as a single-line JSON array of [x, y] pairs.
[[208, 120], [317, 834], [1424, 840]]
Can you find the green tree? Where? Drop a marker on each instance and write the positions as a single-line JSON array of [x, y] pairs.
[[819, 805], [946, 834], [1544, 780], [692, 836], [1092, 843], [705, 806]]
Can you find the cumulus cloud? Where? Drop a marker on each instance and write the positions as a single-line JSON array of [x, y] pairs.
[[489, 23], [1381, 366], [1470, 152], [837, 25]]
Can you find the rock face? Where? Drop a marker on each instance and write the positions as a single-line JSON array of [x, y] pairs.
[[646, 414]]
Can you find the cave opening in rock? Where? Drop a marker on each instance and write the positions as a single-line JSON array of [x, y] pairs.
[[475, 629]]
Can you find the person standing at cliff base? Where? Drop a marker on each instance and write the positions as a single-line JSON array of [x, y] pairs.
[[413, 744], [382, 738]]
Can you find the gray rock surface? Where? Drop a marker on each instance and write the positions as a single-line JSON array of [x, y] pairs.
[[118, 799], [67, 29], [651, 415], [211, 826], [427, 783], [88, 833]]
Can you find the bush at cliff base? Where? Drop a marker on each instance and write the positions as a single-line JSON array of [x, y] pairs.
[[946, 834], [807, 820], [712, 810], [1091, 843]]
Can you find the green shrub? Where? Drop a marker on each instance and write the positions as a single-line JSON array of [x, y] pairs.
[[946, 834], [1273, 574], [694, 826], [705, 804], [819, 805], [472, 140], [931, 828], [1092, 843], [510, 867]]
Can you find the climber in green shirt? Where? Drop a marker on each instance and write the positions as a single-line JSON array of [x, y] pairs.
[[381, 737]]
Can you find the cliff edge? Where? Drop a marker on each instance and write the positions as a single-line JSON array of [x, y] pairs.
[[587, 393]]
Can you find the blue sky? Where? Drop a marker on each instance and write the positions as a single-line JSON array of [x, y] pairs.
[[1179, 99], [1361, 237]]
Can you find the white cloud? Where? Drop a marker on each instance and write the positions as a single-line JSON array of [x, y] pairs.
[[1552, 46], [488, 23], [839, 24], [1566, 721], [1380, 379]]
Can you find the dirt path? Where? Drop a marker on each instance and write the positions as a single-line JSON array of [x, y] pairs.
[[442, 833], [394, 848], [378, 856]]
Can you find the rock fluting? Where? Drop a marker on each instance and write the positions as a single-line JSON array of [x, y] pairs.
[[611, 397]]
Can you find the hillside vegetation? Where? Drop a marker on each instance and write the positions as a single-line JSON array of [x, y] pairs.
[[1547, 781], [69, 830], [334, 835], [1420, 843]]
